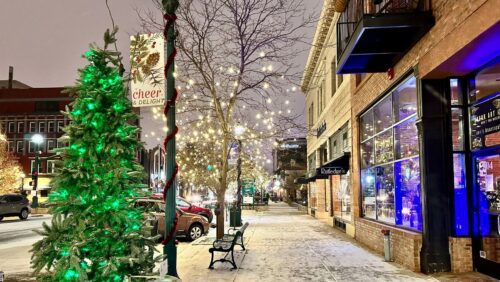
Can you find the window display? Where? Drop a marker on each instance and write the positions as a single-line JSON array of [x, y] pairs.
[[382, 114], [384, 149], [408, 211], [385, 193], [368, 185], [460, 196], [406, 139], [390, 176]]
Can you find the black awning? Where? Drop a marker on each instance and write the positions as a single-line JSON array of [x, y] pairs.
[[338, 166]]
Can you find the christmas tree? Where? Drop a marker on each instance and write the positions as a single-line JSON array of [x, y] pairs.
[[97, 234]]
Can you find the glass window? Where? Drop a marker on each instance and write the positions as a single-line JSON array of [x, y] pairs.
[[345, 142], [51, 144], [389, 148], [366, 125], [385, 193], [51, 126], [368, 185], [51, 166], [10, 146], [461, 208], [41, 126], [12, 127], [345, 196], [384, 149], [20, 127], [457, 124], [382, 114], [456, 97], [407, 193], [20, 147], [367, 157], [405, 99], [406, 139], [33, 168], [60, 126], [31, 147], [32, 126]]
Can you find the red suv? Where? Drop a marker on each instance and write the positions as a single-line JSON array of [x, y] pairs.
[[186, 206], [190, 208]]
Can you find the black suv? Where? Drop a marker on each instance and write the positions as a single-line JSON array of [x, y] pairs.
[[14, 205]]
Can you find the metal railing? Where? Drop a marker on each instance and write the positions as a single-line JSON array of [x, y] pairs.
[[357, 9]]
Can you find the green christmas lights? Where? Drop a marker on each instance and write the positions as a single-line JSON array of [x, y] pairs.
[[97, 233]]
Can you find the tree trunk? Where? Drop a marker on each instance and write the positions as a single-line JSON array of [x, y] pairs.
[[221, 193]]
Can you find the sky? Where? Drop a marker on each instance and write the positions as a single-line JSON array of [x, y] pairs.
[[44, 40]]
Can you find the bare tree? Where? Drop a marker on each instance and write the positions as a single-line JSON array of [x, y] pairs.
[[235, 67]]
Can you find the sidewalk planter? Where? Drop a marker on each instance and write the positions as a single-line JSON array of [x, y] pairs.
[[40, 211]]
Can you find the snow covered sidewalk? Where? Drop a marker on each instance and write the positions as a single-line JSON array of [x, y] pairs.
[[285, 245]]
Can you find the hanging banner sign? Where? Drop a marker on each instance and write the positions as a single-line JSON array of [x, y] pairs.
[[485, 121], [147, 77]]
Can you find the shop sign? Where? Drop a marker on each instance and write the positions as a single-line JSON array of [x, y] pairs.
[[321, 129], [147, 77], [332, 170], [485, 121]]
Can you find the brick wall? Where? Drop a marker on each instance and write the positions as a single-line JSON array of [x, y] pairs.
[[461, 254], [405, 244], [458, 22]]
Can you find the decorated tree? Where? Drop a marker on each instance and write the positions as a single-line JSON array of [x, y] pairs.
[[97, 234], [10, 171], [235, 67]]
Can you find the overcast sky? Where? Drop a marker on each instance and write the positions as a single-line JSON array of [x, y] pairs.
[[44, 40]]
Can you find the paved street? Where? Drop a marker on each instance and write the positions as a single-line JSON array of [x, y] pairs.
[[16, 237]]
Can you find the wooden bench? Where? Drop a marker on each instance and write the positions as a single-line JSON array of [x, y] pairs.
[[226, 245]]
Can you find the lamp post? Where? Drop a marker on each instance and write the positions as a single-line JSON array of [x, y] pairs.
[[37, 139], [236, 210]]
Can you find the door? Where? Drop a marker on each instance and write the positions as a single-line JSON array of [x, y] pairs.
[[487, 249]]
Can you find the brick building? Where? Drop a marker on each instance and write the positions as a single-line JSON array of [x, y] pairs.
[[424, 81], [290, 163], [28, 111]]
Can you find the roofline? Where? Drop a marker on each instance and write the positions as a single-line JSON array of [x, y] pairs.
[[322, 31]]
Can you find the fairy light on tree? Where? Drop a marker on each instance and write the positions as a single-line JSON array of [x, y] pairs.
[[97, 234]]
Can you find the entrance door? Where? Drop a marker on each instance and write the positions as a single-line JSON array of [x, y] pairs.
[[487, 249]]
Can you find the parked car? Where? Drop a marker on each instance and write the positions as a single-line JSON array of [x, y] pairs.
[[190, 225], [14, 205], [189, 207]]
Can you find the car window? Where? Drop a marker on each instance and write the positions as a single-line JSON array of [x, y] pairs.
[[182, 203], [16, 198]]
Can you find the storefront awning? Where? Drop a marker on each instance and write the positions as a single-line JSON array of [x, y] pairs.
[[338, 166]]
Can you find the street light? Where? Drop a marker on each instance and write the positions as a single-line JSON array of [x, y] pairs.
[[37, 139]]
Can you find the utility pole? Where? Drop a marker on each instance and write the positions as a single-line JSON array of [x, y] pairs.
[[169, 245]]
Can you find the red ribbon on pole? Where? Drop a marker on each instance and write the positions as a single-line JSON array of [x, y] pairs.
[[170, 20]]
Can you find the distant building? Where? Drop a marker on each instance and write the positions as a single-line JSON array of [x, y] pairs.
[[290, 163], [28, 111]]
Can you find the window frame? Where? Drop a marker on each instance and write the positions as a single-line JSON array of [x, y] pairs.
[[32, 126], [22, 146], [20, 127], [13, 129], [49, 123], [373, 167], [41, 126]]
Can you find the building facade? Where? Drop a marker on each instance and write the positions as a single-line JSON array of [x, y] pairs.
[[290, 163], [328, 109], [30, 111], [424, 79]]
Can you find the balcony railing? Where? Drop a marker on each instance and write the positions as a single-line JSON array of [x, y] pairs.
[[356, 10]]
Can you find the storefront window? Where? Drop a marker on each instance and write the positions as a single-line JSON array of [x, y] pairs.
[[382, 114], [457, 129], [405, 99], [460, 196], [367, 159], [407, 190], [367, 128], [456, 95], [406, 139], [368, 184], [345, 196], [384, 149], [390, 176], [385, 193]]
